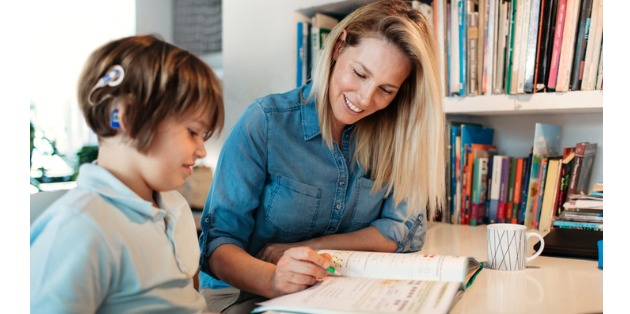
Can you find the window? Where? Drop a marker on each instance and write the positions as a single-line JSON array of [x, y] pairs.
[[66, 34]]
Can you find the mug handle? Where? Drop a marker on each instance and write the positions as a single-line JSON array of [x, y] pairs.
[[540, 249]]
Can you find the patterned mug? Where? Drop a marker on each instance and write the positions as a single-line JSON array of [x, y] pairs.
[[507, 246]]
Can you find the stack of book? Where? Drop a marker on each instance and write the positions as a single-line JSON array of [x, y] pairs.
[[583, 212]]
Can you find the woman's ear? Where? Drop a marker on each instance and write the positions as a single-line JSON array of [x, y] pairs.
[[339, 44]]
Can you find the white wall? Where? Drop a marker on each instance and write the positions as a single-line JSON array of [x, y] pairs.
[[155, 17]]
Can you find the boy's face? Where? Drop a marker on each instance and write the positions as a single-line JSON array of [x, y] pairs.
[[177, 146]]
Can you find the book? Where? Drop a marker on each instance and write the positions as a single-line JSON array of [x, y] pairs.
[[518, 181], [542, 176], [546, 143], [463, 50], [520, 83], [475, 151], [495, 190], [302, 49], [568, 45], [489, 47], [454, 87], [557, 45], [479, 190], [519, 26], [321, 25], [383, 283], [580, 45], [543, 54], [532, 45], [547, 211], [473, 31], [509, 213], [509, 49], [567, 224], [524, 189], [592, 58], [470, 134], [503, 24], [582, 167], [503, 188], [482, 12]]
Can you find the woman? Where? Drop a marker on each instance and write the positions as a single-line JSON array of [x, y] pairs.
[[353, 161]]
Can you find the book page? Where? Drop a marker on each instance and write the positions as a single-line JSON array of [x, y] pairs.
[[352, 295], [398, 265]]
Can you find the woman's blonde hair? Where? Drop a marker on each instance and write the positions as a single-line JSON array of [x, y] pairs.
[[402, 146]]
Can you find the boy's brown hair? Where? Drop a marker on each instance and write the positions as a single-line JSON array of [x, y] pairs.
[[160, 80]]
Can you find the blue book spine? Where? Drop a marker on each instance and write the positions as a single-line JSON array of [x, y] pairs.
[[461, 10], [300, 50]]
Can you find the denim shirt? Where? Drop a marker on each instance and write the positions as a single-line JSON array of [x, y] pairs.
[[278, 182]]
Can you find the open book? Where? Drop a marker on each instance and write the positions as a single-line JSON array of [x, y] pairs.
[[371, 282]]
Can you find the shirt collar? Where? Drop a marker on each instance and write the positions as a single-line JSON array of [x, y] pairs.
[[97, 179]]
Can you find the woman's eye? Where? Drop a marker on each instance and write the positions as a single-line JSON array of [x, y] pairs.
[[387, 91], [358, 74]]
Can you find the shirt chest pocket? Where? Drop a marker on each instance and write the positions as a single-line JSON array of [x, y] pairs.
[[369, 204], [291, 206]]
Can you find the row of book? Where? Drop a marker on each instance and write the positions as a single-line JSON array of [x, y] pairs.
[[584, 212], [496, 46], [519, 46], [487, 187]]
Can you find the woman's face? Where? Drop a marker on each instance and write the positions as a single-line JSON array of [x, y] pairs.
[[365, 79]]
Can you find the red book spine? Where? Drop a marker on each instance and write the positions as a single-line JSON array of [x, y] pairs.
[[557, 44]]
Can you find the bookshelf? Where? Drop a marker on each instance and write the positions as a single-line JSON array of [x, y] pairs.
[[580, 113]]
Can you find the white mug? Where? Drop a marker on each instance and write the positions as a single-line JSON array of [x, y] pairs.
[[507, 246]]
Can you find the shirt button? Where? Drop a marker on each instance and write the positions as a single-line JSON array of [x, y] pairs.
[[338, 206], [342, 183]]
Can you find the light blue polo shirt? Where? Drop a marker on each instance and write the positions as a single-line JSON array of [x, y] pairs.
[[278, 182], [101, 248]]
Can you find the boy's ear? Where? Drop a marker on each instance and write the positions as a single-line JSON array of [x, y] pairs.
[[117, 119]]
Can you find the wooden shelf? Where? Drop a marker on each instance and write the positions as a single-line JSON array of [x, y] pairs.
[[553, 103]]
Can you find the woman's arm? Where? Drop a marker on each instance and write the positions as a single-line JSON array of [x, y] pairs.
[[367, 239], [296, 270]]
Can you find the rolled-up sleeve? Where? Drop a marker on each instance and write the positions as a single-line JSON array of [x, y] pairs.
[[228, 215], [407, 230]]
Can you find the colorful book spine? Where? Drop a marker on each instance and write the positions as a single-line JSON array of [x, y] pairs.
[[557, 45], [503, 189], [518, 181], [480, 174]]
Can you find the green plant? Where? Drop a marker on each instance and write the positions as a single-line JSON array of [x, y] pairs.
[[86, 154]]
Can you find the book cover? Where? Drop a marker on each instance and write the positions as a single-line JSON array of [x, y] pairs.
[[591, 60], [453, 42], [524, 188], [510, 190], [518, 181], [567, 224], [568, 45], [546, 143], [321, 25], [471, 134], [547, 31], [542, 176], [582, 168], [495, 189], [462, 25], [479, 190], [532, 44], [503, 23], [557, 45], [565, 175], [509, 51], [519, 25], [520, 83], [580, 46], [547, 211], [489, 49], [383, 283], [302, 49], [476, 151], [482, 9], [503, 187], [473, 31]]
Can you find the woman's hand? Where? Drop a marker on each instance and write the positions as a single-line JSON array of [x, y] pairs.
[[272, 252], [298, 269]]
